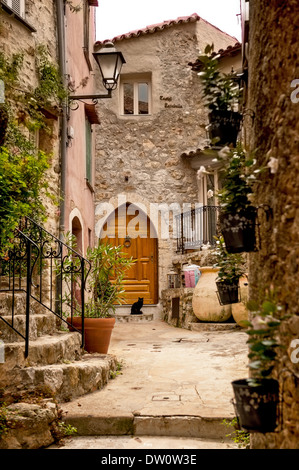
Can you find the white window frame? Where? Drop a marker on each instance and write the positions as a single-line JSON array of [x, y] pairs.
[[136, 81], [17, 6]]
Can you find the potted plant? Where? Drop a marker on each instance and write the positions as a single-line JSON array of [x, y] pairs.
[[106, 269], [257, 397], [237, 216], [222, 95], [231, 269]]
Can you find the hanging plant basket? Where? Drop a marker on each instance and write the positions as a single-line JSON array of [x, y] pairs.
[[238, 231], [224, 126], [227, 293], [256, 406]]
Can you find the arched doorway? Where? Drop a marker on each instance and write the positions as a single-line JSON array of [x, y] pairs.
[[130, 227], [77, 232]]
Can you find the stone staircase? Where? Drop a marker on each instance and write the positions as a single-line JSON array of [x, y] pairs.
[[55, 362]]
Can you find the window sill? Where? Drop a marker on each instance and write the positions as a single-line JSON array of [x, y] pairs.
[[19, 18]]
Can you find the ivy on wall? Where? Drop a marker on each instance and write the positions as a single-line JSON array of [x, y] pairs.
[[23, 182]]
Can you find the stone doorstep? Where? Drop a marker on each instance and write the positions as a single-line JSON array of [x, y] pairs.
[[127, 317], [142, 425], [213, 326], [40, 324], [68, 381]]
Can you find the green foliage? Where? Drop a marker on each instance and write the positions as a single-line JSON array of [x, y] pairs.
[[238, 179], [263, 337], [23, 166], [22, 180], [231, 266], [3, 421], [105, 270], [108, 268], [221, 90], [240, 437]]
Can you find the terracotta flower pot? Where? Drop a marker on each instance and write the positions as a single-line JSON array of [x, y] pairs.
[[97, 333]]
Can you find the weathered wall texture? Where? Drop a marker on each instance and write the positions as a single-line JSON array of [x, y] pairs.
[[16, 37], [273, 65], [147, 149]]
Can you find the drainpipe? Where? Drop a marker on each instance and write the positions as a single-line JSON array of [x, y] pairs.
[[60, 5]]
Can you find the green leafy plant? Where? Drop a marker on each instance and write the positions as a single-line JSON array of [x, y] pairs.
[[105, 270], [3, 421], [238, 436], [231, 266], [106, 279], [23, 182], [239, 176], [221, 90], [263, 339]]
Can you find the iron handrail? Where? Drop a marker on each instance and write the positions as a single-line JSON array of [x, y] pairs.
[[56, 279]]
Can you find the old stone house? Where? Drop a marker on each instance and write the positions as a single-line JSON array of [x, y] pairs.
[[270, 43], [155, 118]]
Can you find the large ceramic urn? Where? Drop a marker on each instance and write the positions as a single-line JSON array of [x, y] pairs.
[[205, 301]]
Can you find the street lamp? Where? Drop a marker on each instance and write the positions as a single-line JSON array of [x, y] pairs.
[[110, 62]]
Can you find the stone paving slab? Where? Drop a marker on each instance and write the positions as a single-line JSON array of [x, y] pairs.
[[166, 372]]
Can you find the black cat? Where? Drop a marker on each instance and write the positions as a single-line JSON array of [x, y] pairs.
[[137, 306]]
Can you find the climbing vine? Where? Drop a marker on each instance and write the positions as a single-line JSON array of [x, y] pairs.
[[23, 182]]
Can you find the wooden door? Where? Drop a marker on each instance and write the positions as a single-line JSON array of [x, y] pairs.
[[141, 278]]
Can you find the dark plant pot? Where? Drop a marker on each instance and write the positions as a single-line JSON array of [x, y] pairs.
[[256, 406], [238, 231], [97, 333], [227, 293], [224, 126]]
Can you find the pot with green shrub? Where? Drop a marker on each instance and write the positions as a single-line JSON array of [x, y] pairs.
[[231, 268], [222, 94], [238, 215], [257, 397], [107, 267]]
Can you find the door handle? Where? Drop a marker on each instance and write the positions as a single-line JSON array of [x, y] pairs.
[[152, 257]]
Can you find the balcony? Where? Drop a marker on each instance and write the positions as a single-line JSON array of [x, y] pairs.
[[196, 228]]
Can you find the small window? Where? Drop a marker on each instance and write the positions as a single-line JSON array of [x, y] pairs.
[[18, 6], [135, 96]]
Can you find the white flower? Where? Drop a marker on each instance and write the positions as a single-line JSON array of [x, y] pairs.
[[224, 152], [210, 193], [273, 164], [201, 172]]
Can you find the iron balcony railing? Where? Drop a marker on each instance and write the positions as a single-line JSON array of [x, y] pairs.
[[49, 272], [196, 227]]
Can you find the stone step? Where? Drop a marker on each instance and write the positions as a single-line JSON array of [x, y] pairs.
[[8, 301], [149, 313], [39, 325], [46, 350], [148, 443], [72, 379], [142, 425]]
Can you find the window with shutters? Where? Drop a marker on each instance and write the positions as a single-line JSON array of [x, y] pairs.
[[18, 6]]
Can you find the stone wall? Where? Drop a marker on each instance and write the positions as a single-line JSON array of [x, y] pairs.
[[139, 157], [273, 65], [17, 37]]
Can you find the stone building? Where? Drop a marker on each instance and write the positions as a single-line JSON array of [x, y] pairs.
[[155, 117], [24, 27], [271, 59]]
